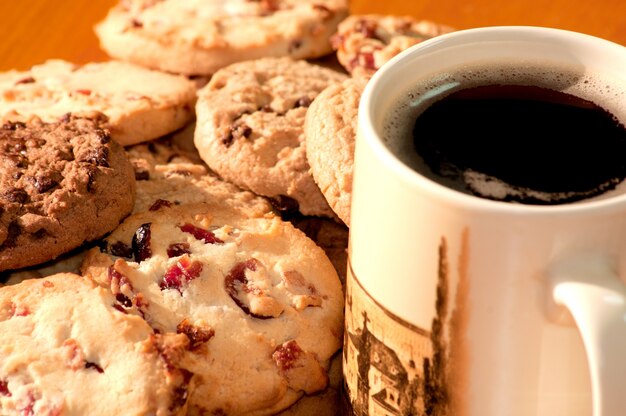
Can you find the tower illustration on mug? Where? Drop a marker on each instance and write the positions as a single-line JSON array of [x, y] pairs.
[[392, 367]]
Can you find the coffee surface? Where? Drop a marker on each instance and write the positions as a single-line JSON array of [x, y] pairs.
[[523, 142], [550, 146]]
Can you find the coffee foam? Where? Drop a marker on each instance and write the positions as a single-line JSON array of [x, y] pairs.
[[397, 128]]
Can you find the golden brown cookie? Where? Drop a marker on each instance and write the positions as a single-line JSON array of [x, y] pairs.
[[201, 36]]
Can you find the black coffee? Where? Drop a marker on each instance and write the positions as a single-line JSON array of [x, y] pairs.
[[518, 143]]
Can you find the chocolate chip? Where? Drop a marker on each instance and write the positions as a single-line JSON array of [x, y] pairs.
[[136, 23], [302, 102], [103, 135], [181, 393], [27, 80], [237, 131], [13, 232], [91, 178], [294, 45], [14, 125], [142, 175], [16, 195], [44, 184], [89, 364], [98, 157]]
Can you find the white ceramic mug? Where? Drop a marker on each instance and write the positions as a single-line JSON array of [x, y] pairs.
[[458, 305]]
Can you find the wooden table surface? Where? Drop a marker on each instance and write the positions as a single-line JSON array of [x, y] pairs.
[[35, 30]]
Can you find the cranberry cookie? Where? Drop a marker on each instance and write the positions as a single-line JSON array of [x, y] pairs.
[[365, 42], [250, 129], [330, 132], [201, 36], [140, 104], [68, 347], [261, 303], [61, 184]]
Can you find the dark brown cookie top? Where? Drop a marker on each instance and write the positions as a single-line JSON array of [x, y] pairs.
[[60, 184]]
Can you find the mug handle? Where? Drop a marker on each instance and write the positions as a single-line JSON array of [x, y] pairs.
[[590, 288]]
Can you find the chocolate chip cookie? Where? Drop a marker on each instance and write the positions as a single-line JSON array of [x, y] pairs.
[[200, 37], [61, 184], [250, 129], [330, 131]]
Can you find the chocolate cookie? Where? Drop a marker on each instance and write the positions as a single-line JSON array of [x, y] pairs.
[[61, 184], [250, 129], [200, 37], [140, 104], [330, 131], [68, 348], [365, 42], [261, 303]]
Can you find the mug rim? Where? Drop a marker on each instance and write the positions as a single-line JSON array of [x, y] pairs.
[[530, 33]]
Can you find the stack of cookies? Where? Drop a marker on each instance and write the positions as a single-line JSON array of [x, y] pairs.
[[174, 221]]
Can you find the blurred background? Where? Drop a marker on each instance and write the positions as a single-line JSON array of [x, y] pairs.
[[32, 31]]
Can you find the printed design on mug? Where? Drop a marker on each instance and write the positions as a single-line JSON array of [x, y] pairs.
[[392, 367]]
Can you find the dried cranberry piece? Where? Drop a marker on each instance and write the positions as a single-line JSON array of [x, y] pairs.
[[367, 28], [201, 234], [123, 299], [180, 273], [236, 283], [287, 354], [19, 310], [118, 281], [141, 243], [120, 308], [196, 334], [160, 203], [178, 249], [121, 249], [29, 409], [4, 388], [95, 366]]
